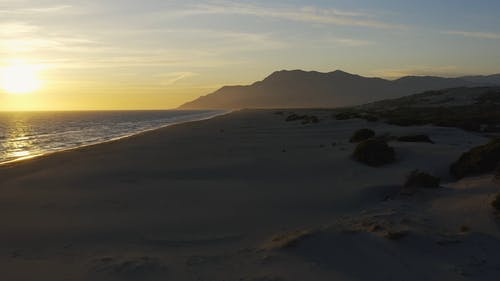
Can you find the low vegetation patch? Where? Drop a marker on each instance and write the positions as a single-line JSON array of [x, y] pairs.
[[374, 152], [361, 135], [481, 159], [286, 240], [470, 118], [496, 202], [294, 117], [346, 115], [418, 179], [415, 138], [396, 235], [464, 228], [310, 119], [306, 119]]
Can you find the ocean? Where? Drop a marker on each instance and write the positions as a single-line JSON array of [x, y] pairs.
[[28, 134]]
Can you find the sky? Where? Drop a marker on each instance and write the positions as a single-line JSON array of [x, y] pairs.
[[158, 54]]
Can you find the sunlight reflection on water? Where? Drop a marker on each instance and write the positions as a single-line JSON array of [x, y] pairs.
[[27, 134]]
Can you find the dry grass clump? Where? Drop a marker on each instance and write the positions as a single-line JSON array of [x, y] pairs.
[[286, 240], [481, 159], [346, 115], [306, 119], [310, 119], [374, 152], [470, 118], [418, 179], [497, 175], [464, 229], [294, 117], [396, 235], [361, 135], [496, 202]]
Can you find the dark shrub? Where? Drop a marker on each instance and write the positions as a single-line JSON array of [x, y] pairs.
[[294, 117], [415, 138], [346, 115], [464, 228], [310, 119], [306, 119], [374, 152], [418, 179], [496, 202], [361, 135], [396, 235], [481, 159]]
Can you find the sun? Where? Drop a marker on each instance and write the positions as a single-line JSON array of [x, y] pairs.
[[20, 78]]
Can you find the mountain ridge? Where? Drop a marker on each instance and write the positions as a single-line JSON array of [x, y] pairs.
[[303, 89]]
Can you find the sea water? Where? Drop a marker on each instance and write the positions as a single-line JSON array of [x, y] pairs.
[[28, 134]]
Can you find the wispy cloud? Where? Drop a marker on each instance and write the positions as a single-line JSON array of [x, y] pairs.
[[16, 28], [168, 79], [474, 34], [29, 11], [350, 42], [307, 14]]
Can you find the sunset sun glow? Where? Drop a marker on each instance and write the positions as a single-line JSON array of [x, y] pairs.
[[20, 78]]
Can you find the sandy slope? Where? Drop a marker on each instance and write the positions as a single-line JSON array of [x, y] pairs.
[[198, 201]]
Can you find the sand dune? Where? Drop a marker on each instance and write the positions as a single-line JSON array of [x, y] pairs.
[[198, 201]]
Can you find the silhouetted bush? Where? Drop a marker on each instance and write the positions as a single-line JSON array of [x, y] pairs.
[[418, 179], [396, 235], [496, 202], [287, 240], [310, 119], [481, 159], [346, 115], [361, 135], [415, 138], [306, 119], [374, 152], [294, 117], [470, 118]]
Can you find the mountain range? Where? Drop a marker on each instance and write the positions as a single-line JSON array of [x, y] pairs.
[[306, 89]]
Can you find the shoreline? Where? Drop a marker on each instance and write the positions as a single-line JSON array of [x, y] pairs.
[[40, 155]]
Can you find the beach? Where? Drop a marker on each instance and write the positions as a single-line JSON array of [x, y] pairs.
[[203, 200]]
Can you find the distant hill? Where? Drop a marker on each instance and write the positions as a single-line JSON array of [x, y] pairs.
[[446, 98], [489, 79], [473, 109], [301, 89]]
